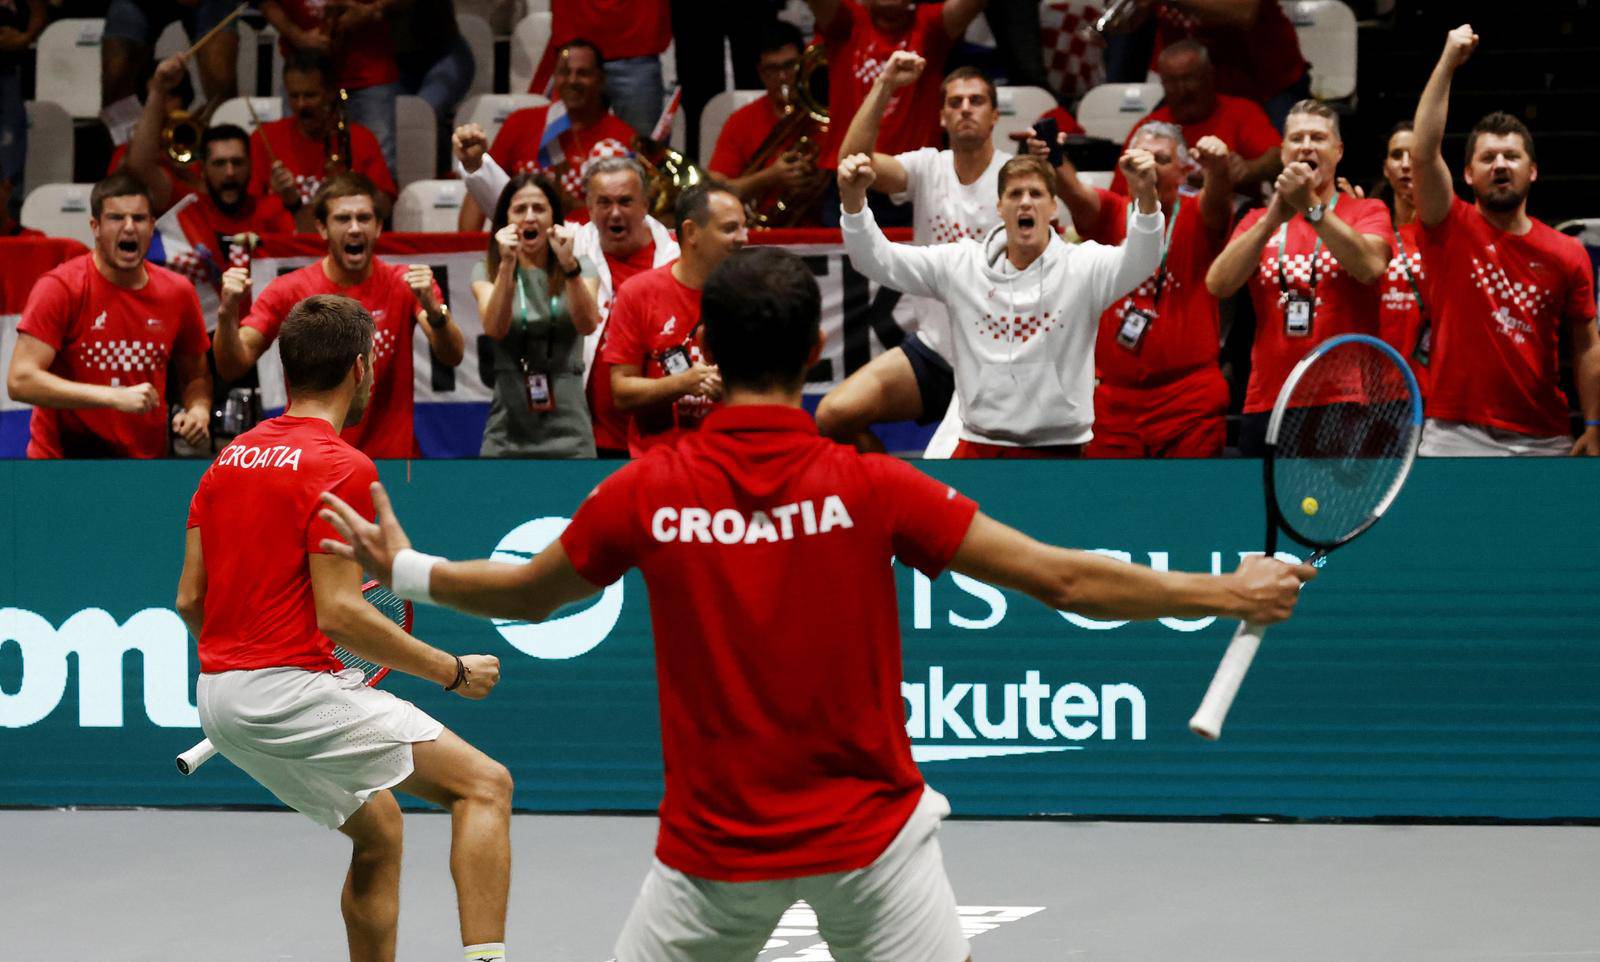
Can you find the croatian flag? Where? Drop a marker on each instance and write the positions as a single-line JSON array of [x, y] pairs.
[[171, 246], [556, 123]]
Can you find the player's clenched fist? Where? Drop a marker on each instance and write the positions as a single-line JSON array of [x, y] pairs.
[[1139, 167], [482, 673], [1294, 185], [193, 426], [1267, 589], [419, 277], [1459, 45], [470, 144], [1211, 153], [902, 70], [855, 176], [138, 399], [235, 282]]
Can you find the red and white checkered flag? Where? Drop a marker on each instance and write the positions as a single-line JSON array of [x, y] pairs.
[[1073, 61]]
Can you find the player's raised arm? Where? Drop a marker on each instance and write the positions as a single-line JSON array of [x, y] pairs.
[[1261, 590], [909, 270], [491, 589], [1433, 190]]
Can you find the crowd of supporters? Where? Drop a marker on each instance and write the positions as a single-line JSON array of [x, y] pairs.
[[1054, 317]]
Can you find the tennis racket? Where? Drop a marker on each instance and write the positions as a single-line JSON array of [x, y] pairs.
[[1340, 443], [397, 609]]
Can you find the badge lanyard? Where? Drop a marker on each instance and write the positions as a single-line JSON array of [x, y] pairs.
[[676, 360], [1298, 308], [1423, 347], [1135, 321], [536, 384]]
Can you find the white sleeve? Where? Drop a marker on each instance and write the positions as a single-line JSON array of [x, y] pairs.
[[1114, 271], [907, 269], [919, 167], [485, 183]]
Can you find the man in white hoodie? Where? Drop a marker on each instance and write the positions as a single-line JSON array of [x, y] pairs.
[[621, 239], [1024, 305]]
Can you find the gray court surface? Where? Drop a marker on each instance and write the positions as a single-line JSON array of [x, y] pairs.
[[129, 886]]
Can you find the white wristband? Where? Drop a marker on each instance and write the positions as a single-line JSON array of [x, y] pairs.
[[412, 572]]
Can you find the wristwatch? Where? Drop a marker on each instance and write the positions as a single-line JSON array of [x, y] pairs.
[[444, 317], [1315, 214], [577, 270]]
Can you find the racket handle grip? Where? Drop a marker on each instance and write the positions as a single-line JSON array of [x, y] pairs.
[[1213, 710], [192, 759]]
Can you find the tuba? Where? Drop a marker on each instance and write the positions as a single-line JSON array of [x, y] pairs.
[[336, 143], [668, 172], [804, 120]]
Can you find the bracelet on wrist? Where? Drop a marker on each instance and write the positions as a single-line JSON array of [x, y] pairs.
[[1591, 424], [461, 674], [574, 272]]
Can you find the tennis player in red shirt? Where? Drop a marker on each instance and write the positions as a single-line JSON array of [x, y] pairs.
[[654, 339], [267, 603], [1158, 390], [788, 768], [1312, 257], [398, 298], [1507, 284], [98, 335]]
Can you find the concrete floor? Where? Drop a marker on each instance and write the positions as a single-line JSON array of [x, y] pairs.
[[158, 886]]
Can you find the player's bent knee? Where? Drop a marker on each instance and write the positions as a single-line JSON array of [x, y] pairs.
[[491, 785]]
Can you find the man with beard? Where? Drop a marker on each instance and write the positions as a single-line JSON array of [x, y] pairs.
[[659, 373], [397, 298], [1506, 285], [621, 240], [96, 339], [290, 157], [952, 196], [1312, 258], [562, 137]]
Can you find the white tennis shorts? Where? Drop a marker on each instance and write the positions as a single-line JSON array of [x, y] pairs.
[[898, 909], [1457, 439], [322, 743]]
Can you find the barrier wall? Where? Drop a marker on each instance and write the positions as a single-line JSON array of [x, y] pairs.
[[1447, 664]]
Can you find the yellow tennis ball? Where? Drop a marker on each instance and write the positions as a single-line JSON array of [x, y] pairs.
[[1309, 505]]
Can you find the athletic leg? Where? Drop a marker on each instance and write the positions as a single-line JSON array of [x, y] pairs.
[[371, 898], [884, 390], [476, 790]]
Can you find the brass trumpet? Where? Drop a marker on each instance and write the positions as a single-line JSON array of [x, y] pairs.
[[804, 120], [668, 173], [180, 138]]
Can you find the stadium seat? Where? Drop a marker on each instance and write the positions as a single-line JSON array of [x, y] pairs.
[[416, 140], [480, 37], [235, 111], [489, 111], [69, 65], [1327, 32], [1111, 110], [1019, 108], [716, 113], [174, 41], [528, 40], [1585, 229], [429, 206], [49, 159], [60, 210], [1097, 178]]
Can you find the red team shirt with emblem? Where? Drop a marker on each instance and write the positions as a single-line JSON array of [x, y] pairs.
[[1239, 123], [858, 52], [386, 430], [1497, 334], [1255, 62], [516, 146], [256, 508], [1399, 315], [766, 551], [654, 314], [744, 133], [307, 158], [1344, 305], [111, 336], [611, 425]]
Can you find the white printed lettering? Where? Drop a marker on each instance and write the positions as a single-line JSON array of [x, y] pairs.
[[728, 526], [694, 524], [834, 515], [662, 527], [760, 529]]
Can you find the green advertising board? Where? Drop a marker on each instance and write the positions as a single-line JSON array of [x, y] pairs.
[[1445, 665]]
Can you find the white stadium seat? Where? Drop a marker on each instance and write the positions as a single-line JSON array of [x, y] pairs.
[[716, 113], [416, 140], [1019, 108], [1327, 32], [1585, 229], [1097, 178], [49, 158], [489, 111], [480, 37], [60, 210], [528, 40], [69, 65], [174, 41], [1111, 110], [235, 111], [429, 206]]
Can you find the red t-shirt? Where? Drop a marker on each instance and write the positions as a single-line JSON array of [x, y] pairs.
[[621, 28], [1399, 315], [386, 430], [256, 508], [365, 56], [108, 335], [857, 53], [766, 551], [307, 158], [1343, 304], [653, 317], [183, 182], [1499, 303], [1256, 63], [611, 425], [516, 146], [1239, 123], [744, 133], [1186, 334]]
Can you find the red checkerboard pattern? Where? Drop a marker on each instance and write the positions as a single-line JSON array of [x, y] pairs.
[[1017, 328], [1072, 59]]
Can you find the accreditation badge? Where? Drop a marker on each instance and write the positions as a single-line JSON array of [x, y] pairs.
[[676, 361], [1297, 315], [1135, 323], [540, 399]]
